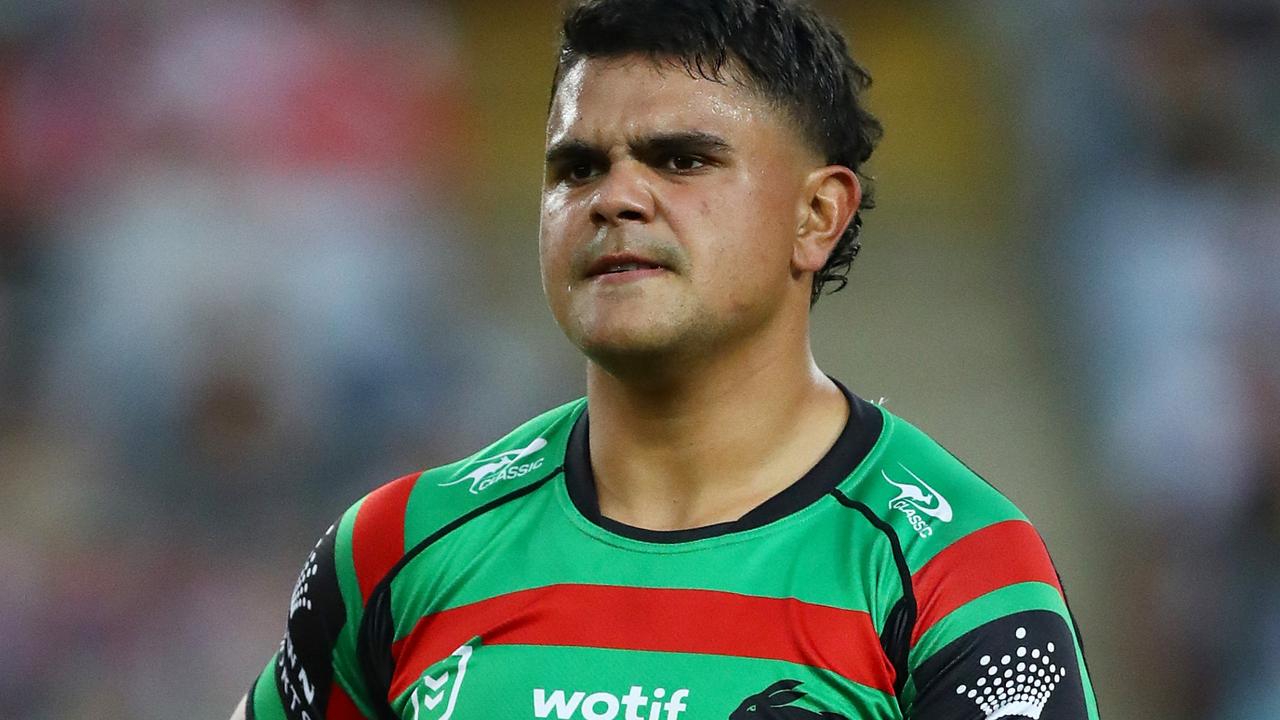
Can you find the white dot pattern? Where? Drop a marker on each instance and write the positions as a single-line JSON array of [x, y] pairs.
[[300, 599], [1029, 691]]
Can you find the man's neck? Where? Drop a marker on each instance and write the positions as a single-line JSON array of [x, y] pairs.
[[707, 447]]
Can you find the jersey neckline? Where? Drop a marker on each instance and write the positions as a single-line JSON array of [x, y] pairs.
[[861, 432]]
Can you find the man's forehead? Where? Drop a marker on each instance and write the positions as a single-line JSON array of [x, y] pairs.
[[638, 96]]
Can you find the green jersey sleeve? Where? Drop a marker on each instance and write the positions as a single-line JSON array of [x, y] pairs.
[[993, 635], [983, 629]]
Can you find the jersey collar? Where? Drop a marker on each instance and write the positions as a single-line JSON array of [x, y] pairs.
[[859, 435]]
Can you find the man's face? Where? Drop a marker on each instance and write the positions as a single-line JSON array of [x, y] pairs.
[[670, 206]]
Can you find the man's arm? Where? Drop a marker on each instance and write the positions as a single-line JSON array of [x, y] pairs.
[[1025, 664], [994, 636]]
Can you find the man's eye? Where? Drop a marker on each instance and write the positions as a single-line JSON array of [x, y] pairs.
[[580, 172], [684, 163]]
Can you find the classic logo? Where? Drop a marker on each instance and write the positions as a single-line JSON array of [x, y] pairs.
[[501, 467], [775, 703], [439, 685], [917, 499], [607, 706]]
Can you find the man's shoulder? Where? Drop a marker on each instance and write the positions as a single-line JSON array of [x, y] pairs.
[[532, 450], [976, 577], [927, 497], [415, 506]]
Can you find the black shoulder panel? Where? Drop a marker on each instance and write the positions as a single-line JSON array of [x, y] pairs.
[[1020, 666], [304, 666]]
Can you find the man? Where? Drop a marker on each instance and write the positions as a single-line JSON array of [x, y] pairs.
[[718, 530]]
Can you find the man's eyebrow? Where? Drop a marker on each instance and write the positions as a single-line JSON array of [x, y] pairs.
[[574, 149], [690, 141]]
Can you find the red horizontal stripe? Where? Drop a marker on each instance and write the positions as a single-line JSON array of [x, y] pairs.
[[998, 555], [377, 540], [340, 706], [657, 620]]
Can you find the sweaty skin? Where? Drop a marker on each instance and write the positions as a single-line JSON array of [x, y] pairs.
[[705, 398]]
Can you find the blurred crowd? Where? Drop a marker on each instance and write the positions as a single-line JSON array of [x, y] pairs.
[[230, 303], [1154, 129]]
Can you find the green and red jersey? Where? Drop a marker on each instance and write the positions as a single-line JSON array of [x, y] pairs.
[[889, 582]]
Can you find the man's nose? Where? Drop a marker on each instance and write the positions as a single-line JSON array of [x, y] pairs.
[[623, 195]]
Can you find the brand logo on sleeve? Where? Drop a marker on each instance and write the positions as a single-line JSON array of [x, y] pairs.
[[437, 690], [635, 705], [915, 499], [1018, 684], [300, 599], [503, 466]]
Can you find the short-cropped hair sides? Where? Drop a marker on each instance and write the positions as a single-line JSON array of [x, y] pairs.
[[789, 54]]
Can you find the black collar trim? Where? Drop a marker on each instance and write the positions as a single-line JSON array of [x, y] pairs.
[[860, 434]]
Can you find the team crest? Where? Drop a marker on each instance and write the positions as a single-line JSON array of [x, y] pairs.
[[436, 692], [777, 702]]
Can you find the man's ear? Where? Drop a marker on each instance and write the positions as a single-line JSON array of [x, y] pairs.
[[831, 197]]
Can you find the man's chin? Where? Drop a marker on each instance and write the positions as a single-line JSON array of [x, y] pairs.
[[632, 351], [624, 347]]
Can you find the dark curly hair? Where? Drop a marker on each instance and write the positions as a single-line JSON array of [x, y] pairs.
[[789, 54]]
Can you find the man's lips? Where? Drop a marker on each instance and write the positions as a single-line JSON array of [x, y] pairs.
[[620, 264]]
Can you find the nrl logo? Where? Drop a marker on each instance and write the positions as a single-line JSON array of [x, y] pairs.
[[439, 686], [502, 466]]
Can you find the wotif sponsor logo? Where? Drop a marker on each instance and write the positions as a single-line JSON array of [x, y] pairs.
[[501, 467], [917, 499], [635, 705]]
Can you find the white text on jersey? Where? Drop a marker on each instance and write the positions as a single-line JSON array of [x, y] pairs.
[[500, 467], [635, 705]]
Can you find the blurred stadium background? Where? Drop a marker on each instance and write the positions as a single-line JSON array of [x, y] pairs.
[[259, 256]]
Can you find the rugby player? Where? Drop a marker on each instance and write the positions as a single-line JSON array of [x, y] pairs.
[[718, 529]]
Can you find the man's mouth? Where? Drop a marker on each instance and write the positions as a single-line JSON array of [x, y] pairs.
[[622, 264]]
